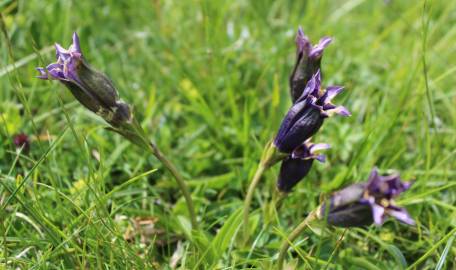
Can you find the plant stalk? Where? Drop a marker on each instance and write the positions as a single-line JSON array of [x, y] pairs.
[[293, 235], [248, 198], [180, 182], [269, 158], [136, 134]]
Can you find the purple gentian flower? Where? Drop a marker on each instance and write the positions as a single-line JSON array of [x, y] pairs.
[[91, 88], [367, 203], [306, 115], [297, 165], [308, 60]]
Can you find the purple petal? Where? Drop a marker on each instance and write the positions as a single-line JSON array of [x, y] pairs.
[[321, 158], [318, 49], [307, 151], [402, 215], [54, 66], [373, 177], [329, 106], [318, 146], [301, 152], [316, 88], [76, 45], [43, 74], [341, 110], [56, 71], [329, 110], [378, 214], [331, 92], [71, 65], [61, 53], [308, 89], [348, 195], [302, 42], [407, 185], [312, 87]]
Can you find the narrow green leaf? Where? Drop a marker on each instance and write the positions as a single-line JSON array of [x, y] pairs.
[[397, 255], [442, 259]]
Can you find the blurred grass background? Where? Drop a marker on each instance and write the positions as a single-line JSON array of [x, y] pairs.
[[210, 81]]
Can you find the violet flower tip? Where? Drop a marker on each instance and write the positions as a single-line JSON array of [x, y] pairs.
[[76, 43], [325, 41], [58, 47], [321, 158], [43, 74]]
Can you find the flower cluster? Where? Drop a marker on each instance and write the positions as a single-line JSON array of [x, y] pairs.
[[311, 106], [356, 205]]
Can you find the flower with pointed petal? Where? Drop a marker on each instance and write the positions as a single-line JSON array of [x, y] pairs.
[[297, 165], [367, 203], [91, 88], [308, 60], [307, 114]]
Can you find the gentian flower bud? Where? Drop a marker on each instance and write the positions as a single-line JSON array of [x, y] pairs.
[[93, 89], [306, 115], [308, 60], [297, 165], [367, 203]]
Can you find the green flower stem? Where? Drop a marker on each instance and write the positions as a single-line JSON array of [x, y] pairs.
[[278, 198], [293, 235], [269, 158], [248, 198], [180, 182], [136, 134]]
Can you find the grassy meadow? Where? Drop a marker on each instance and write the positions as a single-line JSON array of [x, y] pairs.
[[208, 79]]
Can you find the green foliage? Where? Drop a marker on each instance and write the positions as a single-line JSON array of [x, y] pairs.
[[209, 80]]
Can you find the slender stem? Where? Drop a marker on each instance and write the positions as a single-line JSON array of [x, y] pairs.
[[136, 134], [293, 235], [278, 199], [180, 182], [248, 198], [270, 157]]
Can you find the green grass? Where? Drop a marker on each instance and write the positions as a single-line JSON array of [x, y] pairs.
[[209, 80]]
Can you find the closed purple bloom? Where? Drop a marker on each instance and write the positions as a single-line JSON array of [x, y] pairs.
[[307, 114], [91, 88], [367, 203], [308, 60], [297, 165]]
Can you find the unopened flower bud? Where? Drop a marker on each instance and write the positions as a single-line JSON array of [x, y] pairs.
[[308, 60]]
